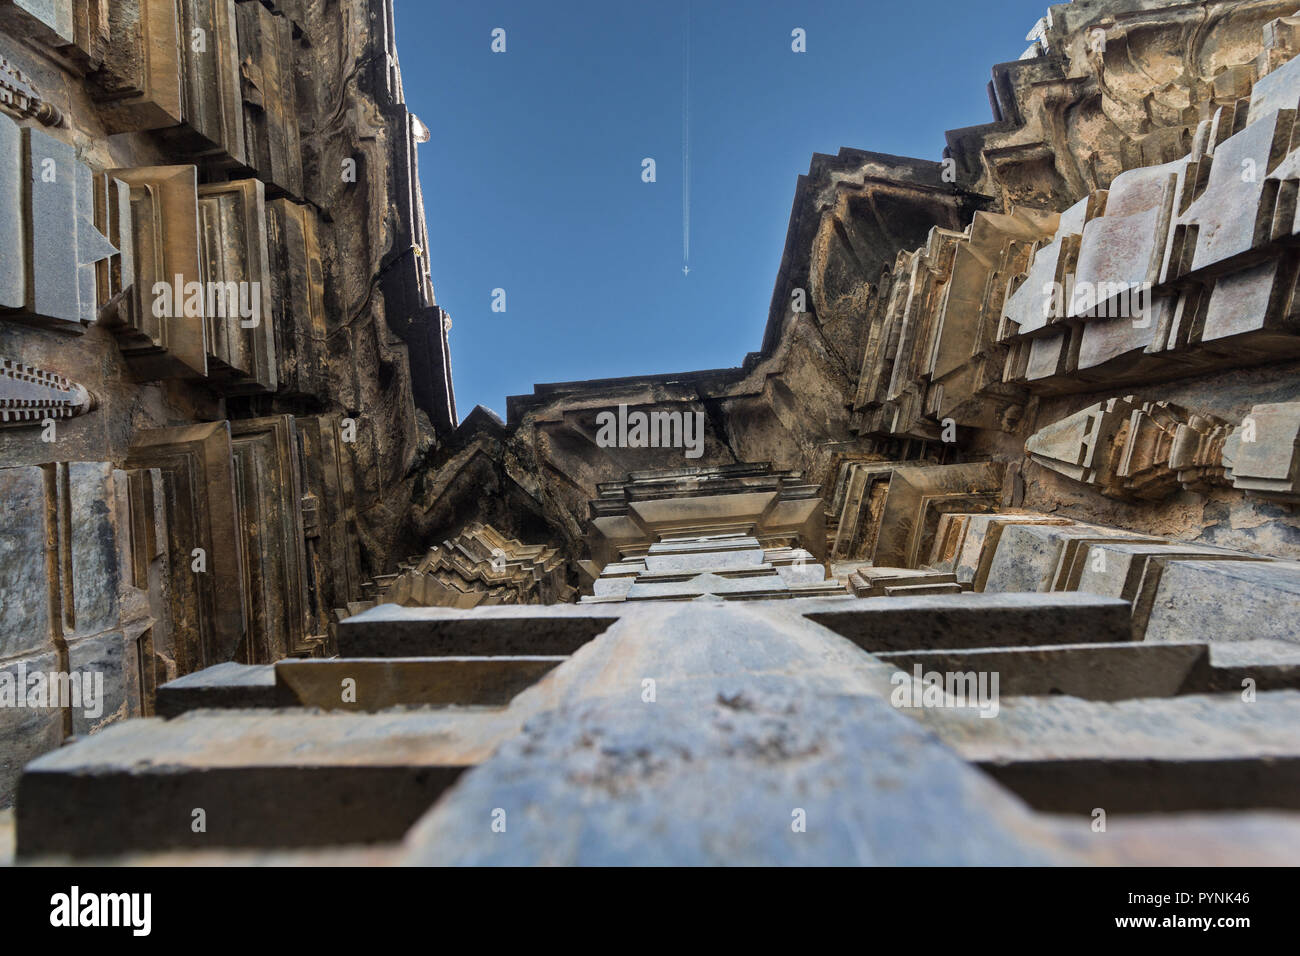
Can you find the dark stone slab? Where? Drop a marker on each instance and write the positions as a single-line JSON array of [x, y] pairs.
[[222, 686], [978, 620], [392, 631]]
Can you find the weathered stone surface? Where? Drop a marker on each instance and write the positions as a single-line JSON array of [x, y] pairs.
[[717, 768], [209, 609], [1134, 756], [927, 318], [228, 686], [48, 276], [170, 341], [1205, 598], [24, 571], [236, 265], [1090, 671], [408, 682], [974, 620], [274, 779], [392, 631]]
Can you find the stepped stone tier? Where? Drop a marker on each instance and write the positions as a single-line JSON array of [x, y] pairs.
[[989, 554]]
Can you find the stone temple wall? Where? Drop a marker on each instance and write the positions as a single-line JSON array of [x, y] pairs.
[[1027, 415], [260, 148]]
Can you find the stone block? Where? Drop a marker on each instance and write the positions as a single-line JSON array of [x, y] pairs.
[[48, 276], [976, 620], [209, 608], [139, 83], [167, 339], [25, 625], [25, 732], [268, 85], [268, 471], [228, 686], [297, 278], [1227, 601], [392, 631], [378, 684], [49, 21], [1264, 454], [1102, 672], [236, 266], [1030, 557], [264, 779], [1065, 755]]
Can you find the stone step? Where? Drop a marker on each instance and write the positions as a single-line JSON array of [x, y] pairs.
[[1119, 671], [551, 631], [262, 779], [1198, 752], [975, 620], [227, 686], [410, 682], [1091, 671], [938, 587]]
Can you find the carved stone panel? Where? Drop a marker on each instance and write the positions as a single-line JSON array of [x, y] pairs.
[[209, 606], [158, 337], [30, 396], [210, 70], [237, 291], [266, 52], [297, 279], [269, 488], [47, 273], [138, 82]]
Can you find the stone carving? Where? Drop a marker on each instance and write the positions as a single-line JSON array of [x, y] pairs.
[[236, 270], [1148, 450], [209, 606], [246, 491], [162, 340], [30, 396], [48, 268], [1132, 449], [479, 567], [266, 69], [19, 97], [1262, 457]]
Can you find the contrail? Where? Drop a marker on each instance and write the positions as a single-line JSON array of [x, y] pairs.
[[686, 146]]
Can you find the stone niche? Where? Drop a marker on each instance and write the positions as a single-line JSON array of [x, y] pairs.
[[47, 215]]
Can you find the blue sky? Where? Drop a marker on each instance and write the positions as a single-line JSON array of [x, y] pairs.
[[533, 176]]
